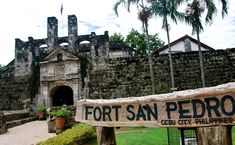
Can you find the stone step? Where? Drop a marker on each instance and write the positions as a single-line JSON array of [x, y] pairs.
[[16, 115], [14, 123]]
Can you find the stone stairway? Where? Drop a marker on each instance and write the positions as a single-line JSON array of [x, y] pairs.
[[17, 117]]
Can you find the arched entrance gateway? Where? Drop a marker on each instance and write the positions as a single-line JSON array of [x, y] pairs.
[[61, 95]]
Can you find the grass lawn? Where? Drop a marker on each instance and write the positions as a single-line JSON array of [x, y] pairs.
[[233, 135], [141, 136], [144, 136]]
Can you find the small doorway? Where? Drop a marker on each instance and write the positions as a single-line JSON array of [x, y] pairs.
[[62, 95]]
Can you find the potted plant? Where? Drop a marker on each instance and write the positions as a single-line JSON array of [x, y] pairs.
[[41, 111], [60, 115]]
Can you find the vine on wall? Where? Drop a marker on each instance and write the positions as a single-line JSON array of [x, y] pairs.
[[34, 80]]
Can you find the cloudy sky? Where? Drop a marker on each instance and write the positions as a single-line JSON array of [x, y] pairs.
[[24, 18]]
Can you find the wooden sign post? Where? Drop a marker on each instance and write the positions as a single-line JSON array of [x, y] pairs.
[[214, 106]]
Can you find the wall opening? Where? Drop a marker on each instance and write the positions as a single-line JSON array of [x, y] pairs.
[[62, 95]]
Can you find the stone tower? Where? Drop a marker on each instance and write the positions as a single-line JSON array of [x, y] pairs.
[[72, 31], [52, 32], [23, 57]]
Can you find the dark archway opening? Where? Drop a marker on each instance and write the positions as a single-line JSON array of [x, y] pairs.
[[62, 95]]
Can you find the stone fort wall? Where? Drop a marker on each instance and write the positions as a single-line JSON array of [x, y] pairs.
[[108, 77], [130, 76], [13, 92]]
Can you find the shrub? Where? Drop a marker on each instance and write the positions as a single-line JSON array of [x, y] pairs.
[[79, 134], [41, 108], [60, 113]]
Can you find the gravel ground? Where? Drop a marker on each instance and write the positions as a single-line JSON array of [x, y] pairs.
[[26, 134]]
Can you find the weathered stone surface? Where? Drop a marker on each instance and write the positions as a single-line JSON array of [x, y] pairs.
[[51, 125], [17, 117], [3, 125], [12, 92], [130, 77]]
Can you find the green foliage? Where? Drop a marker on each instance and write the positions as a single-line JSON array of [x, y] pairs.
[[162, 87], [41, 107], [137, 41], [142, 136], [167, 9], [2, 68], [83, 67], [79, 134], [194, 13], [196, 8], [34, 80], [60, 113], [117, 37]]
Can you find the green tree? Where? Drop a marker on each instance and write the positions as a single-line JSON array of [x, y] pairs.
[[136, 40], [194, 13], [167, 9], [143, 16], [117, 37]]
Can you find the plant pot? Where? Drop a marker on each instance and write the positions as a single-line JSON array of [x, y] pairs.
[[59, 123], [41, 115]]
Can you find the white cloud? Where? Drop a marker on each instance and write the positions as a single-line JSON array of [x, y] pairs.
[[24, 18]]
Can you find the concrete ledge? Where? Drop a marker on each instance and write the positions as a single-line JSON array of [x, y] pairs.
[[14, 123]]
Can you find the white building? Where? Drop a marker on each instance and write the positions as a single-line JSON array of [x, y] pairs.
[[183, 44]]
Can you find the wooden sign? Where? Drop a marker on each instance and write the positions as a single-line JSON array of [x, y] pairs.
[[190, 108]]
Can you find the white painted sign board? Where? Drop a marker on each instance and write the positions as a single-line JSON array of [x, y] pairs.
[[191, 108]]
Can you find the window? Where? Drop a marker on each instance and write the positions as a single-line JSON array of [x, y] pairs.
[[59, 57]]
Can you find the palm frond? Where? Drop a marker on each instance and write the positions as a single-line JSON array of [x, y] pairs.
[[193, 16], [211, 11], [167, 8], [181, 16], [130, 2], [116, 5], [126, 3], [224, 7]]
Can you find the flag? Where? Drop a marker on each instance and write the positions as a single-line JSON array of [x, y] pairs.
[[61, 9]]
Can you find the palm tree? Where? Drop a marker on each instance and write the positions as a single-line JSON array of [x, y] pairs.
[[143, 16], [194, 13], [167, 9]]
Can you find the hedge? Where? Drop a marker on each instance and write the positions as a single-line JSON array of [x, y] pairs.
[[77, 135]]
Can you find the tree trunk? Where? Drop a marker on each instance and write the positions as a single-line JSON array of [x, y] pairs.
[[201, 60], [105, 136], [219, 135], [170, 59], [150, 61]]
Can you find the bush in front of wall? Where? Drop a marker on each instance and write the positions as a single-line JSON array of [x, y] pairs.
[[60, 113], [79, 134]]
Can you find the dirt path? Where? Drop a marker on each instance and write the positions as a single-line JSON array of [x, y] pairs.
[[26, 134]]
